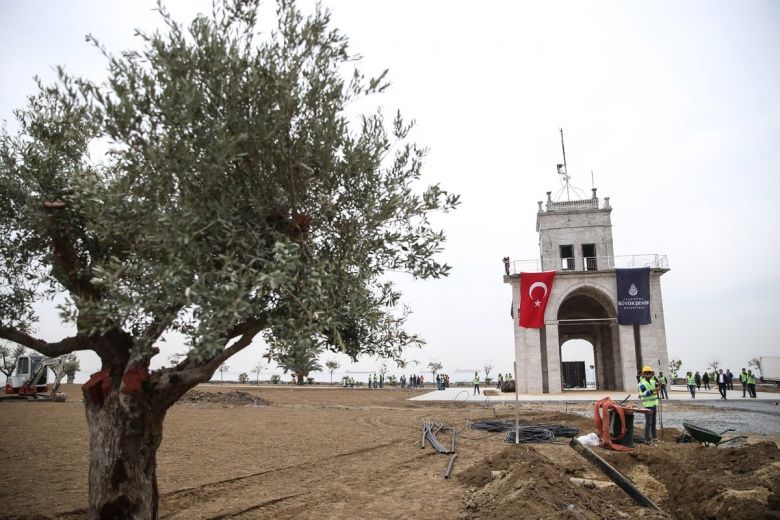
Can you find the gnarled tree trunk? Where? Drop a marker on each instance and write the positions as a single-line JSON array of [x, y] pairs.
[[125, 433]]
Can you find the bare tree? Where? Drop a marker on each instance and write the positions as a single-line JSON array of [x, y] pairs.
[[258, 368], [487, 367], [9, 353], [224, 367]]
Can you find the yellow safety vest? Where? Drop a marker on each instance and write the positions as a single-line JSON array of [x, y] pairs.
[[648, 401], [691, 380]]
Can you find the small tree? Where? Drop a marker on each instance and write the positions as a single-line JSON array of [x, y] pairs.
[[243, 378], [487, 367], [275, 379], [332, 365], [70, 367], [713, 366], [434, 366], [224, 367], [258, 368], [755, 364], [300, 360], [9, 353], [674, 367]]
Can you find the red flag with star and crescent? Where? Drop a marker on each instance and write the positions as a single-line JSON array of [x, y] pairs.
[[535, 289]]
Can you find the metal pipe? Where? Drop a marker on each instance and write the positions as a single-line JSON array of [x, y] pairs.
[[616, 477]]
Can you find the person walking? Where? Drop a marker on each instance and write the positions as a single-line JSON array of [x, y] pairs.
[[664, 394], [706, 380], [500, 380], [691, 381], [729, 379], [648, 394], [721, 380], [751, 383], [476, 383], [697, 377]]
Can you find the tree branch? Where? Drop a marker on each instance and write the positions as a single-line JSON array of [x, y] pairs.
[[172, 383], [59, 348], [75, 280]]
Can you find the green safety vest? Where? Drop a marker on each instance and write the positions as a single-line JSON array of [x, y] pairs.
[[648, 401], [476, 380], [691, 380], [662, 380], [744, 377], [751, 380]]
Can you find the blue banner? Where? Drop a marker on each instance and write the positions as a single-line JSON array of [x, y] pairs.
[[633, 296]]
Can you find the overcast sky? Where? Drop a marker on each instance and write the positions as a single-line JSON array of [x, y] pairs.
[[674, 106]]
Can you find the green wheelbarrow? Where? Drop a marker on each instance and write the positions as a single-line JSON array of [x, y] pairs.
[[705, 436]]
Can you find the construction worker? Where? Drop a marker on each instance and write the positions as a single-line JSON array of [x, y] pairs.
[[691, 382], [751, 383], [648, 394], [476, 383], [663, 381], [743, 378]]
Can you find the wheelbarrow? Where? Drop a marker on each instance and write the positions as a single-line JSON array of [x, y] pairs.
[[705, 436]]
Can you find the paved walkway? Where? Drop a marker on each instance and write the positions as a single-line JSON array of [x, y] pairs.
[[677, 393]]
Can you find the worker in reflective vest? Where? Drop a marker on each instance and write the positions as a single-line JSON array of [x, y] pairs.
[[648, 394], [662, 382], [476, 383], [690, 380], [751, 383], [743, 378]]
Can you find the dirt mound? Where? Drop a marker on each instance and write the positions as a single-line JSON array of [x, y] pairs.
[[234, 398], [535, 486], [694, 481]]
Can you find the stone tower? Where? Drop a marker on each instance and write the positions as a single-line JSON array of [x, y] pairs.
[[575, 240]]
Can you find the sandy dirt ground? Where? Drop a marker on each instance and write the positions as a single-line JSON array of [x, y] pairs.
[[313, 453]]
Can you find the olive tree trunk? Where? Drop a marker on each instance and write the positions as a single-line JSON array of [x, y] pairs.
[[125, 433]]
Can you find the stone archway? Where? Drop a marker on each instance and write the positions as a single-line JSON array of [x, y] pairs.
[[589, 314]]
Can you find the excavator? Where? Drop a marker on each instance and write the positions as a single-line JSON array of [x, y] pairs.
[[29, 378]]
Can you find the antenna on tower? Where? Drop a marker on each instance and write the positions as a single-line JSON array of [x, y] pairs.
[[563, 172]]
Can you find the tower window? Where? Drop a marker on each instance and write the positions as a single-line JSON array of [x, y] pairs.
[[567, 257], [589, 257]]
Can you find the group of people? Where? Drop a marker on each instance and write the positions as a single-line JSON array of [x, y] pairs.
[[415, 381], [724, 380]]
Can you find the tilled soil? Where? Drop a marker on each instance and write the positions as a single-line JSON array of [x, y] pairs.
[[291, 452]]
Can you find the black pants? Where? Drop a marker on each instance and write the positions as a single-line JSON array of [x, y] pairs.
[[752, 389], [744, 388], [476, 388], [722, 390]]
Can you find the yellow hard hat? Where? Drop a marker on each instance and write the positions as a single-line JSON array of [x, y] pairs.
[[647, 368]]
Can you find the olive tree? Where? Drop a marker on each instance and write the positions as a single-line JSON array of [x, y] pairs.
[[238, 197]]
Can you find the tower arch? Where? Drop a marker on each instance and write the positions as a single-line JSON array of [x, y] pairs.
[[587, 313]]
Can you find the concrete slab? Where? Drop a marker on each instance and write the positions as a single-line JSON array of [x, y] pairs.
[[676, 393]]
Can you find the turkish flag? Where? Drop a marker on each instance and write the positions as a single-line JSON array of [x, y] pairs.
[[535, 288]]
